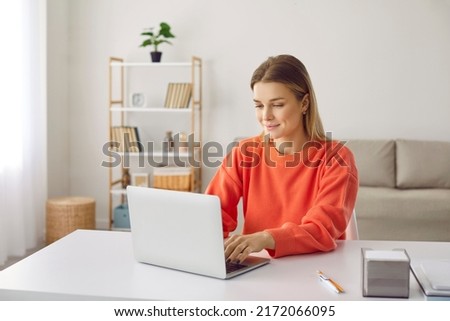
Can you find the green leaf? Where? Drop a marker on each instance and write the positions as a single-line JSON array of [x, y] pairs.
[[149, 33], [164, 25], [165, 30], [167, 33], [147, 42]]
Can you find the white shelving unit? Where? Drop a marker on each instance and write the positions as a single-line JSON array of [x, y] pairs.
[[121, 113]]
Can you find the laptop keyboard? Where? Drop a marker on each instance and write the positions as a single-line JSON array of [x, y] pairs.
[[233, 266]]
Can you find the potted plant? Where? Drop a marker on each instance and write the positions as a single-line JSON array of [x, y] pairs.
[[156, 38]]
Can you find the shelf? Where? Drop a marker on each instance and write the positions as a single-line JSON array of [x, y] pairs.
[[184, 152], [151, 109], [118, 192], [151, 64]]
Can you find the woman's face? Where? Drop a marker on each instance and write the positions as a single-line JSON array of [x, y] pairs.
[[279, 112]]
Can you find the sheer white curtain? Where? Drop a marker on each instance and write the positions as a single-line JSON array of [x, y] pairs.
[[23, 147]]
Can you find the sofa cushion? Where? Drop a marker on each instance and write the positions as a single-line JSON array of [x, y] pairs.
[[423, 164], [375, 160], [403, 214]]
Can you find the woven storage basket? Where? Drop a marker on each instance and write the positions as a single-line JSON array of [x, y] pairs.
[[172, 178], [67, 214]]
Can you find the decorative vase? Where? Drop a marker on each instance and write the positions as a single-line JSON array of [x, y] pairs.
[[168, 142], [156, 56], [126, 178]]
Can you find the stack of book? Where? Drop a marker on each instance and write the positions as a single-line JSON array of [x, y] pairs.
[[125, 139], [178, 95]]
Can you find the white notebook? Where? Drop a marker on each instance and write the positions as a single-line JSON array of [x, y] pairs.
[[433, 276]]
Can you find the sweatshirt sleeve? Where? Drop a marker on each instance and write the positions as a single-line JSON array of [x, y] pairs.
[[327, 219], [227, 184]]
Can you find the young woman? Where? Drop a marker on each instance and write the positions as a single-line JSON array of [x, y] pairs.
[[298, 187]]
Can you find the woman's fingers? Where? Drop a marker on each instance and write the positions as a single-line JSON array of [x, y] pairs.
[[238, 247], [233, 247]]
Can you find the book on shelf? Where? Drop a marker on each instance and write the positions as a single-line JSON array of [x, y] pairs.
[[125, 139], [178, 95]]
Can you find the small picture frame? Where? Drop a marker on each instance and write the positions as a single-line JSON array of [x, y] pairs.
[[137, 100], [140, 179]]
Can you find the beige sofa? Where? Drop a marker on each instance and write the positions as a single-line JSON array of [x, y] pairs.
[[404, 189]]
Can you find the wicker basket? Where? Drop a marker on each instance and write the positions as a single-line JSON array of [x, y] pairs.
[[67, 214], [178, 179]]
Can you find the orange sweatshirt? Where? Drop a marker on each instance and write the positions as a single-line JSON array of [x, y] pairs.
[[304, 200]]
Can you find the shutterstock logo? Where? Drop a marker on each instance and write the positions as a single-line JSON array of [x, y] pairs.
[[178, 153], [210, 154], [253, 157]]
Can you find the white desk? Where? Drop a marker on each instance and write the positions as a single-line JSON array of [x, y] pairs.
[[100, 265]]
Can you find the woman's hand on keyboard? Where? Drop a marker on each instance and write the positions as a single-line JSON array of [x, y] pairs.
[[238, 247]]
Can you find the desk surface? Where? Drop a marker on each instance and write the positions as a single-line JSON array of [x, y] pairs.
[[100, 265]]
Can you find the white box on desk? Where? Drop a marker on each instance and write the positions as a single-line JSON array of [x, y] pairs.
[[385, 273]]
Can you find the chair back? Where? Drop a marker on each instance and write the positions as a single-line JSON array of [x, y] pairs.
[[352, 228]]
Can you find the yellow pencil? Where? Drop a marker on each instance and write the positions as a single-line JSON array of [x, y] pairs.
[[330, 282]]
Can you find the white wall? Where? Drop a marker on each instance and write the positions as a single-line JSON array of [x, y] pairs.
[[380, 68]]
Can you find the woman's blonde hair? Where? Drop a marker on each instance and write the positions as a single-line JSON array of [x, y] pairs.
[[290, 71]]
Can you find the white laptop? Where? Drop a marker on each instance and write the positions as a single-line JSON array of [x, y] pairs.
[[182, 231]]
